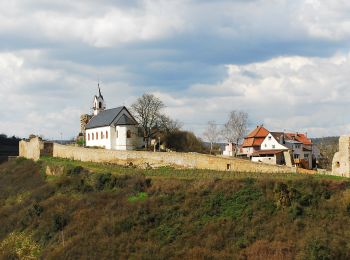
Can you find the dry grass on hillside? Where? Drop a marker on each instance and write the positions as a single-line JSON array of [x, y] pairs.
[[136, 214]]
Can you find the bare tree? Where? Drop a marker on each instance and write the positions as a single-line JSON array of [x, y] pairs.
[[147, 110], [168, 125], [211, 134], [236, 127]]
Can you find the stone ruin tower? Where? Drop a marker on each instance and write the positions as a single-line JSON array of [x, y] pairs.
[[341, 159], [98, 105], [84, 120]]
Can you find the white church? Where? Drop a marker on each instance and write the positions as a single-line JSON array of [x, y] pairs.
[[114, 129]]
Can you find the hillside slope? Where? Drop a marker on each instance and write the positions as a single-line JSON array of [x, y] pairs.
[[145, 215]]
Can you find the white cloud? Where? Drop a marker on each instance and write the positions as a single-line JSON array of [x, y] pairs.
[[326, 19], [294, 93], [96, 26], [41, 99]]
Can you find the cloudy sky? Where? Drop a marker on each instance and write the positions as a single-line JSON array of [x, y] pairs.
[[287, 63]]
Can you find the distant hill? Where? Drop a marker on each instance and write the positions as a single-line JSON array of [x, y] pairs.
[[330, 140], [8, 146], [98, 211]]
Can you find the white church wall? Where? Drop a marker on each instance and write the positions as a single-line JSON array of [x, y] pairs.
[[104, 137], [125, 142]]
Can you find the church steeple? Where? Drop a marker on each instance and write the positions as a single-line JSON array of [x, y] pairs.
[[99, 103], [99, 90]]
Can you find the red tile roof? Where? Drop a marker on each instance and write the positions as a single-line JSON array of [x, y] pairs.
[[256, 137], [259, 131], [299, 137]]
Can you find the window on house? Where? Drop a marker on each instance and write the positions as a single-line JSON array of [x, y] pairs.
[[101, 135], [269, 137], [296, 156], [99, 105], [89, 137], [106, 134], [128, 134], [273, 146], [306, 155], [92, 136]]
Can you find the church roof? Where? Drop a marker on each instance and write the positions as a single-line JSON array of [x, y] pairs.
[[108, 116], [125, 120]]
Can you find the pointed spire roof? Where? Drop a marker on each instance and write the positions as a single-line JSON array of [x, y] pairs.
[[99, 91]]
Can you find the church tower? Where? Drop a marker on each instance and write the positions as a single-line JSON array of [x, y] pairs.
[[99, 103]]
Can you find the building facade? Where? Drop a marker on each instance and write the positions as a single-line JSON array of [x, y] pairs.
[[297, 149], [114, 129]]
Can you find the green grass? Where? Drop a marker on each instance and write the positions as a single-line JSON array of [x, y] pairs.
[[141, 196], [169, 172]]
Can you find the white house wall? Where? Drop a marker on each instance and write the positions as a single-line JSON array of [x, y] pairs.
[[270, 143]]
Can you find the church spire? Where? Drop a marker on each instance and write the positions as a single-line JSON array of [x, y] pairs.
[[99, 103], [99, 90]]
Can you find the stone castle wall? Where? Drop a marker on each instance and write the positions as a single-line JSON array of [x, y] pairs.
[[157, 159], [35, 148]]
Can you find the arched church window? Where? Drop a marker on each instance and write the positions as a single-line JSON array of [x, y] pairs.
[[128, 134], [106, 134], [99, 105], [92, 136], [88, 137], [101, 135], [96, 135]]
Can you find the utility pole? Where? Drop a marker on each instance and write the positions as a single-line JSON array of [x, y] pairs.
[[159, 143]]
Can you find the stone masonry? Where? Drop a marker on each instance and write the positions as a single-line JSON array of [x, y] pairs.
[[36, 148], [341, 159]]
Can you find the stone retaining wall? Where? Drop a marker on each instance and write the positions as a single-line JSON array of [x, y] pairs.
[[35, 148], [157, 159]]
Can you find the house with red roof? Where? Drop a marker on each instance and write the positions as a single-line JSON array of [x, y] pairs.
[[252, 142], [261, 145]]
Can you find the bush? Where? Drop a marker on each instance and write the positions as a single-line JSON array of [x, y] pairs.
[[296, 211], [59, 222], [348, 209], [317, 250]]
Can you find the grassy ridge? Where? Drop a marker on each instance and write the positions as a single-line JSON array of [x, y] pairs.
[[169, 172], [104, 211]]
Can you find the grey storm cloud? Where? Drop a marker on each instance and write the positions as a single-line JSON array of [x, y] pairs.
[[204, 58]]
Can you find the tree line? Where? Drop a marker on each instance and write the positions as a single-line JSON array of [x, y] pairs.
[[148, 110]]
